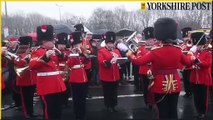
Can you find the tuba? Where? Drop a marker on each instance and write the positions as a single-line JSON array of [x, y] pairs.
[[131, 42]]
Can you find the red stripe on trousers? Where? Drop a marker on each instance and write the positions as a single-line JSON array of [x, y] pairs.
[[45, 108], [23, 103]]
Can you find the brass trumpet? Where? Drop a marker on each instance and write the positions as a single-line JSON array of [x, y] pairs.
[[19, 71], [56, 49], [85, 50], [11, 56], [189, 43]]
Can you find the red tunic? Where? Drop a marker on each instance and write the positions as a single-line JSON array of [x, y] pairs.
[[143, 68], [62, 63], [88, 46], [165, 62], [78, 73], [201, 72], [49, 79], [108, 74], [25, 79]]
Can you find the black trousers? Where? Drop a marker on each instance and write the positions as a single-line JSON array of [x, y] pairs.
[[52, 106], [135, 72], [137, 82], [110, 93], [89, 74], [200, 98], [186, 83], [16, 96], [66, 94], [27, 93], [145, 85], [79, 93], [167, 107]]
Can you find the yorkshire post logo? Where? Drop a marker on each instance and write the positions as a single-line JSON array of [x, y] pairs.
[[143, 5], [176, 5]]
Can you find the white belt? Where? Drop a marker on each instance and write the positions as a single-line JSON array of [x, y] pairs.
[[77, 66], [61, 64], [48, 73]]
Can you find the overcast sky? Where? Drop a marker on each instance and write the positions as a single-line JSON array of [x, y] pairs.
[[51, 9]]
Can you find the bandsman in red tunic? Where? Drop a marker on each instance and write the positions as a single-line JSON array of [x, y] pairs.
[[62, 44], [88, 50], [148, 34], [4, 64], [45, 61], [13, 47], [24, 79], [78, 77], [109, 71], [135, 68], [165, 60], [209, 47], [200, 77], [187, 44]]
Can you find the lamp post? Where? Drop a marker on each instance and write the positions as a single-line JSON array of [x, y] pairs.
[[59, 9], [5, 28]]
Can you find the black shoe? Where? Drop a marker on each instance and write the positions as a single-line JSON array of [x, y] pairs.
[[18, 108], [201, 117], [27, 117], [187, 95], [33, 115], [5, 107], [112, 109], [89, 96]]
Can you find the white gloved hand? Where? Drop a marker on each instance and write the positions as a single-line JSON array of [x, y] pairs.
[[113, 60], [50, 52], [122, 47], [193, 49]]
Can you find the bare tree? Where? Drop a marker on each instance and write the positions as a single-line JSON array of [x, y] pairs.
[[115, 19]]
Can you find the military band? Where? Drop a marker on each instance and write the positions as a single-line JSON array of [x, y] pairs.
[[62, 66]]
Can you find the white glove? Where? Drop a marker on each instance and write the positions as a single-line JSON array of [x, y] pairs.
[[113, 60], [193, 49], [122, 47], [50, 52]]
